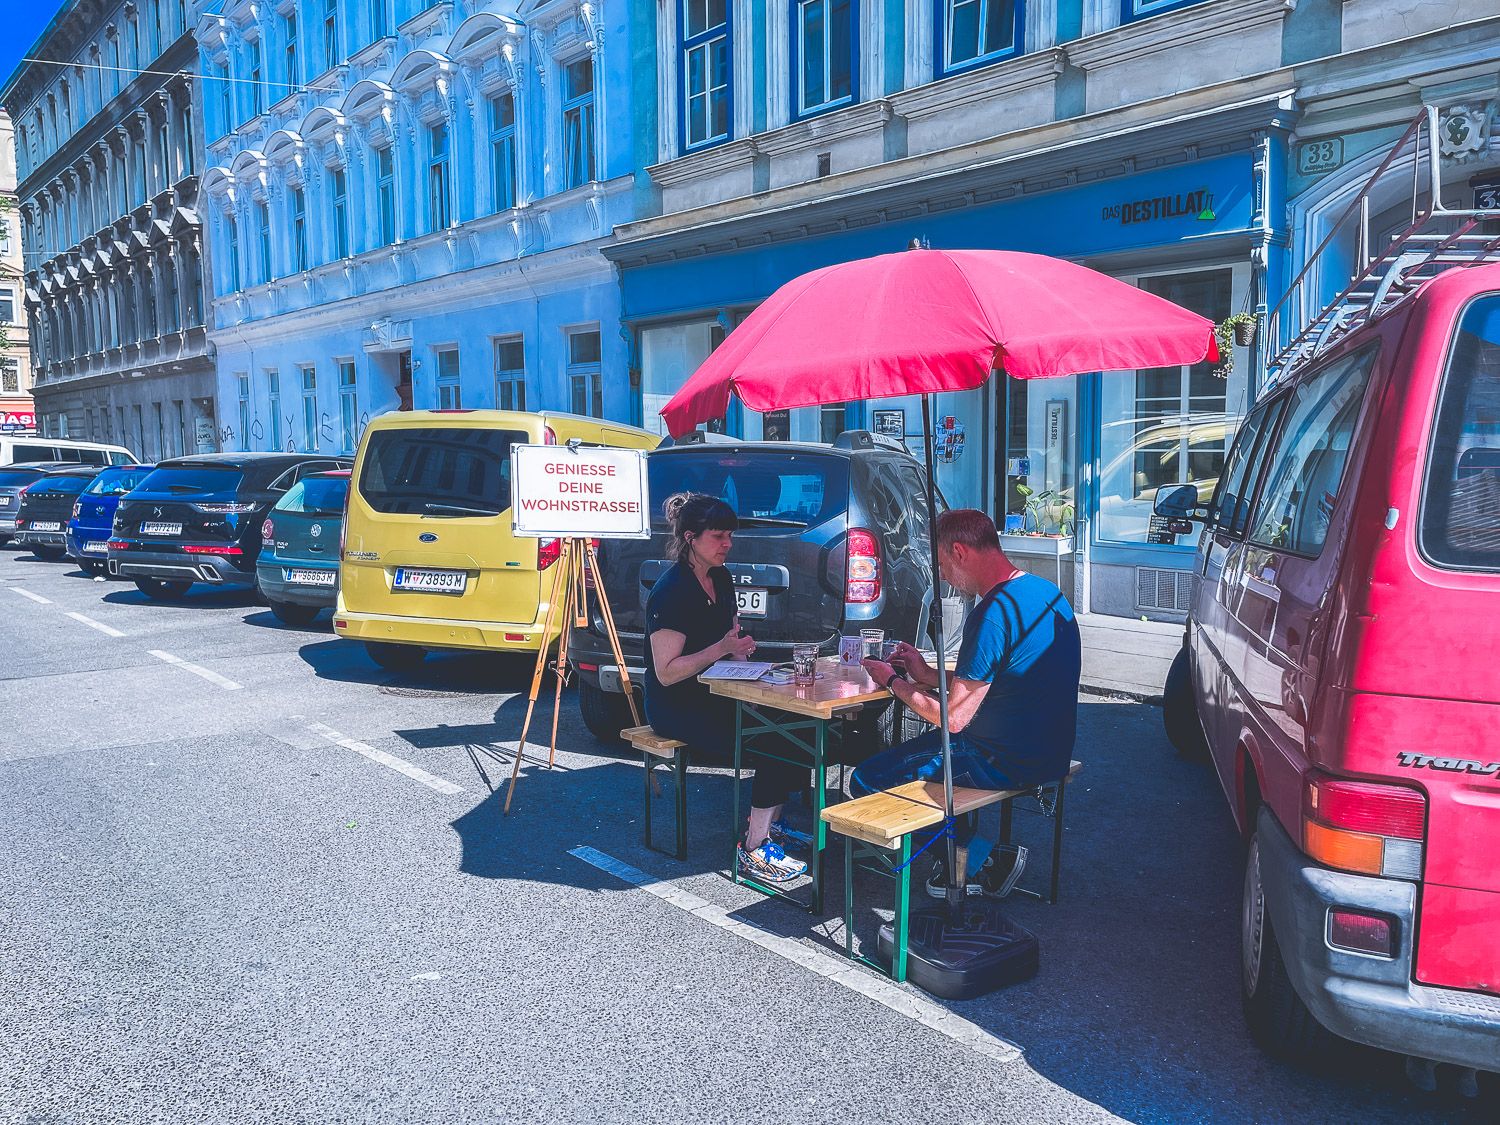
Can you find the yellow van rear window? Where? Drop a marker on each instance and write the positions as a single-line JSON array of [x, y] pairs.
[[441, 471]]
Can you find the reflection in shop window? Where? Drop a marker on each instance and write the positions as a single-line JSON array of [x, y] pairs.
[[831, 421]]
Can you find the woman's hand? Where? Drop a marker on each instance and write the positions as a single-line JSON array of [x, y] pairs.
[[734, 646]]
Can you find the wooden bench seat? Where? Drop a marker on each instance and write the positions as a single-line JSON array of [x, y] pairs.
[[673, 751], [648, 741]]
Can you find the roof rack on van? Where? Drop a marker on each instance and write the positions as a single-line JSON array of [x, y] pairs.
[[1438, 237], [696, 437]]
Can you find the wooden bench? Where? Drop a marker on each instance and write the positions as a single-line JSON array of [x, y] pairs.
[[880, 824], [671, 750]]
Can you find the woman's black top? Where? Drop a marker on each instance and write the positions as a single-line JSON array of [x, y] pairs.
[[677, 602]]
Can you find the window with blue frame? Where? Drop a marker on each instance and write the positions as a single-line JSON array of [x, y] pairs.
[[503, 151], [1140, 9], [825, 54], [973, 32], [578, 123], [706, 71]]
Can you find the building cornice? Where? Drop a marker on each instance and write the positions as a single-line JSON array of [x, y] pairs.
[[1170, 31], [979, 85]]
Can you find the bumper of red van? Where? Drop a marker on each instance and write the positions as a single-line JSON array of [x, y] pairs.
[[1371, 1000]]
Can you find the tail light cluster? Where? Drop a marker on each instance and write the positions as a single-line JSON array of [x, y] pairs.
[[548, 551], [211, 549], [1363, 827], [225, 507], [77, 508], [862, 568]]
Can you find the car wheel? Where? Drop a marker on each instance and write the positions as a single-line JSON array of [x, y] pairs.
[[605, 713], [1279, 1021], [294, 614], [156, 588], [395, 657], [1179, 710]]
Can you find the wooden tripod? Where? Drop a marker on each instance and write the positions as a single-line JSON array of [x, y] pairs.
[[567, 607]]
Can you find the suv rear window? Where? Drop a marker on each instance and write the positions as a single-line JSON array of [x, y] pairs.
[[794, 488], [196, 479], [439, 471], [14, 478], [316, 496], [62, 482], [1461, 505]]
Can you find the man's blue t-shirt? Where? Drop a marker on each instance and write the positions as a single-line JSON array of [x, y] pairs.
[[1022, 639]]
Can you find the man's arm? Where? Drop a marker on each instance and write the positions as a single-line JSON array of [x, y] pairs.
[[964, 698]]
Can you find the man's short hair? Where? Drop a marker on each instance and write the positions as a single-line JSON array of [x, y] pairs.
[[968, 526]]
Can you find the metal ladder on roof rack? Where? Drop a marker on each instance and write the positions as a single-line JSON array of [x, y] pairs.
[[1438, 238]]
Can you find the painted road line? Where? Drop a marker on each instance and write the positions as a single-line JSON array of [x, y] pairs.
[[855, 979], [28, 594], [92, 624], [400, 765], [196, 669]]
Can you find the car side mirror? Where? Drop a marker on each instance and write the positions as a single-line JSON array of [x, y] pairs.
[[1180, 503]]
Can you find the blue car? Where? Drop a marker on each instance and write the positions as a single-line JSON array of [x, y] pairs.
[[94, 515], [298, 568]]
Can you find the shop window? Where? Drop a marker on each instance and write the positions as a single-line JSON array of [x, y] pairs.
[[706, 71], [831, 421], [510, 373], [449, 392], [585, 373], [578, 123], [348, 407], [503, 152], [309, 409], [825, 54], [973, 32], [669, 354]]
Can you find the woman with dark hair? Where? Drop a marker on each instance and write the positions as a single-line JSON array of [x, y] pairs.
[[691, 623]]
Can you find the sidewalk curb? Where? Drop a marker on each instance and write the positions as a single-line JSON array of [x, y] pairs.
[[1121, 694]]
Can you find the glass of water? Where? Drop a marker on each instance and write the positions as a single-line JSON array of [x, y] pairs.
[[873, 640], [804, 664]]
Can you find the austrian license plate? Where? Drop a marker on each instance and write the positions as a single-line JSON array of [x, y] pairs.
[[96, 547], [149, 528], [308, 577], [46, 525], [751, 602], [431, 581]]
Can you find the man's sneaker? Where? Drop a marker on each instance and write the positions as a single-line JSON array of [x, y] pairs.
[[784, 836], [770, 864], [996, 878]]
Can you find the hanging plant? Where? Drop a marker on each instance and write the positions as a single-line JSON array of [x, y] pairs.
[[1234, 331]]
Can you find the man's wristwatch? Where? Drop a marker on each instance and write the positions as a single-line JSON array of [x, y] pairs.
[[892, 678]]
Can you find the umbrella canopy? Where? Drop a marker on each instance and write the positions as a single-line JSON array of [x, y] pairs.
[[923, 321]]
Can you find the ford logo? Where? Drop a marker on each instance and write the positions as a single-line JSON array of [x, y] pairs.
[[427, 537]]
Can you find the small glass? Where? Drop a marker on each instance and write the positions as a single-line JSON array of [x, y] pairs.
[[804, 664], [872, 639]]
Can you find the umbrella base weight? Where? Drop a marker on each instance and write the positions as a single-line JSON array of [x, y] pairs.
[[964, 952]]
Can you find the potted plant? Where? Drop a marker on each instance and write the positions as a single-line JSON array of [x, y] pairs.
[[1234, 331]]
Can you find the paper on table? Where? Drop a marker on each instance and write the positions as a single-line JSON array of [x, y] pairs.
[[736, 670]]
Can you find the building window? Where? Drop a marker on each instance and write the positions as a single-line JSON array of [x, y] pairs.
[[234, 254], [273, 399], [825, 53], [380, 19], [971, 32], [340, 213], [185, 133], [585, 375], [263, 220], [503, 151], [1140, 9], [161, 433], [257, 83], [832, 418], [290, 25], [330, 34], [181, 439], [4, 235], [385, 194], [510, 373], [309, 409], [164, 158], [7, 306], [578, 123], [242, 380], [437, 177], [299, 227], [226, 101], [449, 397], [169, 317], [706, 71], [348, 407], [10, 377]]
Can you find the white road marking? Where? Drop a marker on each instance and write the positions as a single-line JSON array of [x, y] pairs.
[[92, 624], [29, 594], [856, 979], [196, 669], [400, 765]]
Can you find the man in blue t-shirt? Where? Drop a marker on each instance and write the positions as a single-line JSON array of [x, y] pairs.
[[1012, 697]]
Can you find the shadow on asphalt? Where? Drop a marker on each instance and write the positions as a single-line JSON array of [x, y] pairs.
[[458, 673], [321, 626], [198, 596], [1136, 1007]]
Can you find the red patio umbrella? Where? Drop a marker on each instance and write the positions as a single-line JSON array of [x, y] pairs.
[[924, 321]]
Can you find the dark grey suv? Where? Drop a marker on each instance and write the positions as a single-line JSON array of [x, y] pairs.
[[832, 539]]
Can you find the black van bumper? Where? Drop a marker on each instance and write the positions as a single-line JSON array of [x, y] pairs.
[[1368, 999]]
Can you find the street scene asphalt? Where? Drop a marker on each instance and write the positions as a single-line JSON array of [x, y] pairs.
[[247, 876]]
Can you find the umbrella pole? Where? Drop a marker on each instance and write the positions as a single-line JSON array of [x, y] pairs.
[[955, 880]]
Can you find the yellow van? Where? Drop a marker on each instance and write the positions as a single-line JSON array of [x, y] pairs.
[[429, 561]]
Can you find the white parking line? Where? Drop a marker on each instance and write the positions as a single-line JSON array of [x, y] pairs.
[[29, 594], [92, 624], [865, 983], [400, 765], [187, 666]]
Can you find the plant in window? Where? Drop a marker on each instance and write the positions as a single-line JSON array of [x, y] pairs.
[[1048, 512]]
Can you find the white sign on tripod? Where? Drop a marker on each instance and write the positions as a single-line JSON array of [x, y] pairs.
[[579, 492]]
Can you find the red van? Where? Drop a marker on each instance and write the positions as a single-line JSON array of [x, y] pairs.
[[1342, 667]]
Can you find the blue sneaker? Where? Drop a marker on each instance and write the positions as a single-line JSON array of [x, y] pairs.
[[784, 836], [770, 864]]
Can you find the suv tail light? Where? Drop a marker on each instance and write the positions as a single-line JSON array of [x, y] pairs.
[[226, 507], [77, 508], [548, 551], [862, 570], [1364, 827]]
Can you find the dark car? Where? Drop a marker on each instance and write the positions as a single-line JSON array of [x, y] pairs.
[[833, 539], [298, 569], [45, 506], [93, 516], [13, 478], [197, 519]]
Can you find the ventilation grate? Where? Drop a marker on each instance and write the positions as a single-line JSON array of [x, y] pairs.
[[1158, 588]]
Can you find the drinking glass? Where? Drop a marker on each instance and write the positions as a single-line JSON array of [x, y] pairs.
[[804, 664], [873, 639]]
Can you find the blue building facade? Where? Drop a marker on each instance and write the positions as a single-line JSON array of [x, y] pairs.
[[406, 202]]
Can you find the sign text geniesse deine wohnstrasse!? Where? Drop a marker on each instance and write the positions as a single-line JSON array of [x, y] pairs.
[[584, 491]]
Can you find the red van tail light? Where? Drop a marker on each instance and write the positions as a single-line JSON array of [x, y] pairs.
[[862, 570], [549, 436], [1364, 827], [1358, 932], [548, 551]]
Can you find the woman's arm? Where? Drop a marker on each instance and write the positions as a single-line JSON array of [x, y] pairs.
[[672, 666]]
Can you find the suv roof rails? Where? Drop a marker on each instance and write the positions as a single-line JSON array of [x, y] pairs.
[[1437, 238], [869, 439], [698, 437]]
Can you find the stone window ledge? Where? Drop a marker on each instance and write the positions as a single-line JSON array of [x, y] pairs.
[[1171, 30], [981, 84]]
